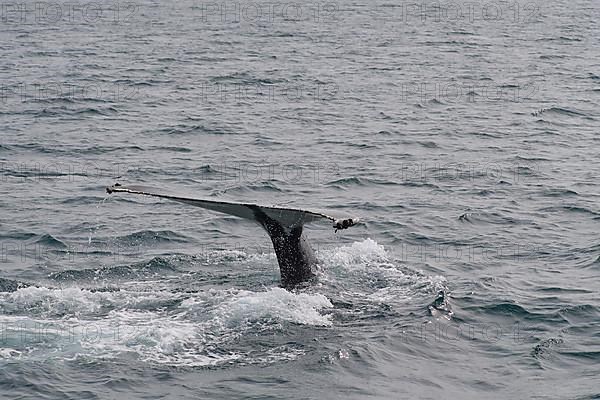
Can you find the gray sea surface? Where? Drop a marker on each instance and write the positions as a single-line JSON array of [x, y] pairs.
[[465, 135]]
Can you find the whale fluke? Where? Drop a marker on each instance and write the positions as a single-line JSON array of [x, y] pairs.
[[284, 226]]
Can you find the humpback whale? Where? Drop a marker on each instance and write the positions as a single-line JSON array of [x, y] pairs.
[[283, 225]]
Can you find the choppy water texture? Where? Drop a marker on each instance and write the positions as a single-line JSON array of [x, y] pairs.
[[468, 143]]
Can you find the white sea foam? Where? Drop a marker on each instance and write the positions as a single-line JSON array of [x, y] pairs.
[[150, 322], [368, 264], [72, 301], [199, 332], [358, 255], [235, 306]]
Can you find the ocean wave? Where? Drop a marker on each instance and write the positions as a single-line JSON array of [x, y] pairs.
[[75, 302], [47, 240], [162, 324], [9, 285], [559, 111], [495, 218], [156, 266], [571, 209], [158, 326], [360, 181], [236, 306], [368, 265], [183, 129], [152, 237]]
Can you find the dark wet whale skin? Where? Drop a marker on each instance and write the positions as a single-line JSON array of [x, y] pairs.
[[295, 256]]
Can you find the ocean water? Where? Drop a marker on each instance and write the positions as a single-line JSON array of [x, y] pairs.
[[463, 134]]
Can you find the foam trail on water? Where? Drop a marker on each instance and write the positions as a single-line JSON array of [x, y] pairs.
[[201, 330]]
